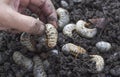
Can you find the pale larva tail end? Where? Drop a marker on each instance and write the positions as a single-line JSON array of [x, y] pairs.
[[83, 31], [68, 29], [99, 62]]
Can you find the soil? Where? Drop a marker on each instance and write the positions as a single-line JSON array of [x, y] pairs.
[[63, 64]]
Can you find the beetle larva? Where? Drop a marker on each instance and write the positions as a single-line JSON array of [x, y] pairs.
[[26, 41], [99, 62], [73, 49], [52, 35], [85, 32], [63, 17], [38, 69], [103, 46], [68, 29], [22, 60]]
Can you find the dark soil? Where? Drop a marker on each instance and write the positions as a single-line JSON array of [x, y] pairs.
[[64, 64]]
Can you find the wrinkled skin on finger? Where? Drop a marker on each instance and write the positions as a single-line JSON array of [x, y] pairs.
[[43, 8]]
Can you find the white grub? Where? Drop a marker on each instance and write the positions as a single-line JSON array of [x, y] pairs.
[[64, 17], [85, 32], [103, 46], [26, 41], [68, 29], [73, 49], [22, 60], [38, 69], [51, 35], [99, 62], [64, 4]]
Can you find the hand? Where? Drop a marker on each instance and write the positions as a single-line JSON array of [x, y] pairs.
[[11, 15]]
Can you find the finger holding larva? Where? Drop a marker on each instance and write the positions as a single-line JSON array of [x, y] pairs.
[[103, 46], [52, 35], [85, 32], [22, 60], [73, 49], [68, 29], [64, 17], [25, 40], [99, 62], [38, 69]]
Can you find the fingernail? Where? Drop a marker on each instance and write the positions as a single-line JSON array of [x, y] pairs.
[[52, 20], [38, 28]]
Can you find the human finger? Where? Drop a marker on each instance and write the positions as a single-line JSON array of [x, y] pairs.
[[11, 18]]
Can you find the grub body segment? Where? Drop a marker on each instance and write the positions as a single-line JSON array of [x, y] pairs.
[[73, 49], [22, 60], [52, 35], [38, 69], [26, 41], [68, 29], [64, 17], [99, 62], [84, 31]]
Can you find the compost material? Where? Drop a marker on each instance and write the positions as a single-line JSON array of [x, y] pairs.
[[63, 64]]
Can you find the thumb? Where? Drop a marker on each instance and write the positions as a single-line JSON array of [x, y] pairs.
[[12, 19]]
